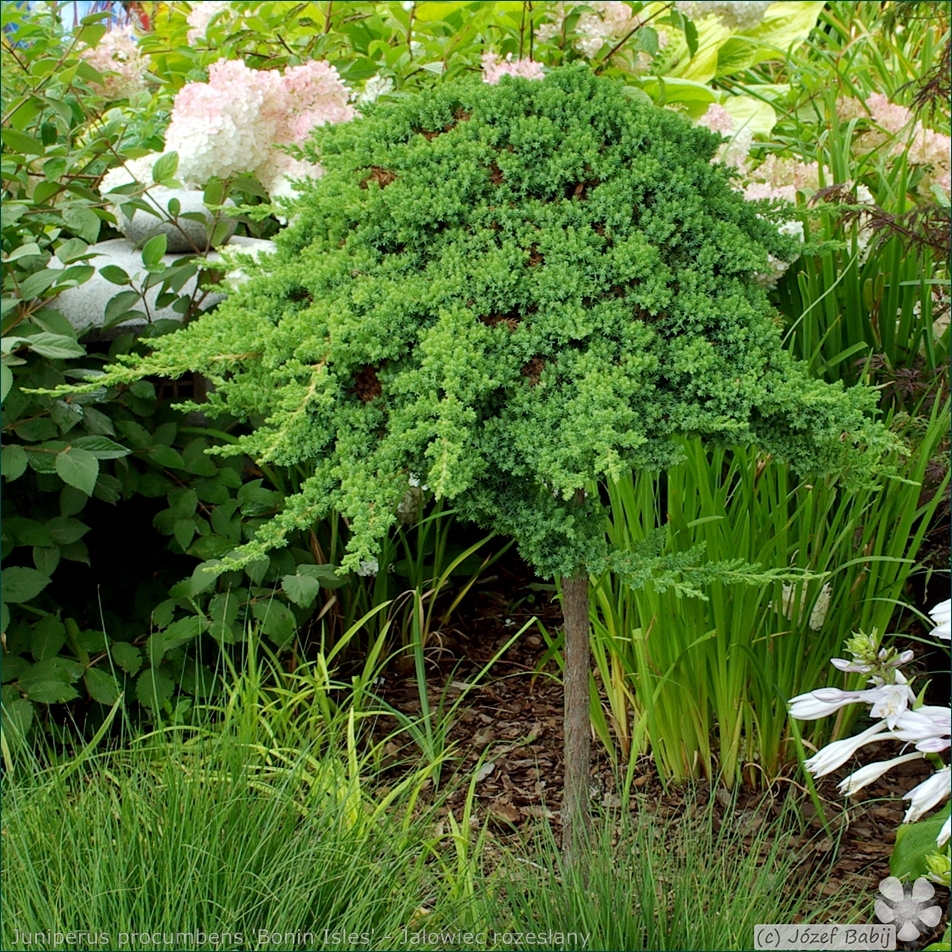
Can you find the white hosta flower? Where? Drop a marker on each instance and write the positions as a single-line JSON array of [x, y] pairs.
[[866, 775], [834, 755], [928, 794], [942, 616], [903, 658], [890, 700], [945, 833], [824, 701], [928, 727]]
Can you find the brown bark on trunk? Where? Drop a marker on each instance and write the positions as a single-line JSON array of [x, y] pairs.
[[576, 816]]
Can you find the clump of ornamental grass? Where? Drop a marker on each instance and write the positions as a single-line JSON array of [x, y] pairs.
[[513, 292]]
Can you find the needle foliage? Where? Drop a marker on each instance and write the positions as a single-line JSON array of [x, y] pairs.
[[511, 292]]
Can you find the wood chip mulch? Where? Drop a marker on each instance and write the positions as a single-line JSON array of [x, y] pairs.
[[508, 732]]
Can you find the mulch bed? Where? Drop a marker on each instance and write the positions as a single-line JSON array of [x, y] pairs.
[[508, 730]]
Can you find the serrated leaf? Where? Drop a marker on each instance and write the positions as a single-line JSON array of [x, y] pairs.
[[200, 581], [101, 447], [79, 468], [326, 574], [165, 456], [184, 531], [49, 635], [179, 633], [126, 656], [102, 686], [276, 619], [301, 589], [46, 558], [55, 346], [18, 584], [64, 530], [154, 689]]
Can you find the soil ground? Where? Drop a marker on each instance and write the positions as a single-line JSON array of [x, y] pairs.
[[512, 722]]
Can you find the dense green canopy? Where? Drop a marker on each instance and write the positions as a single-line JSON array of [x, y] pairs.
[[511, 292]]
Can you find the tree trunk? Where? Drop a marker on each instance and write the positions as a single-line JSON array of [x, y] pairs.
[[576, 816]]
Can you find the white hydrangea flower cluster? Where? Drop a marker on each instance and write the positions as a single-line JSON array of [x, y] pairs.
[[120, 61], [494, 68], [237, 121], [218, 128], [734, 152], [738, 15], [601, 23], [201, 16]]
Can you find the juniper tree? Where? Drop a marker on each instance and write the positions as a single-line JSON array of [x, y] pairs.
[[514, 292]]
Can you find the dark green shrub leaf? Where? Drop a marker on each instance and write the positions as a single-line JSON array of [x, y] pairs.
[[64, 531], [49, 635], [6, 381], [56, 346], [179, 633], [184, 532], [46, 558], [27, 531], [199, 681], [119, 305], [126, 656], [13, 462], [75, 552], [301, 589], [166, 457], [79, 468], [83, 222], [101, 447], [154, 689], [326, 574], [277, 622], [101, 686], [21, 584]]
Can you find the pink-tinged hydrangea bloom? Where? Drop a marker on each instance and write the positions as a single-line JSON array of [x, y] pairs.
[[201, 16], [120, 61], [217, 127], [734, 14], [599, 25], [494, 68], [233, 123], [717, 119]]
